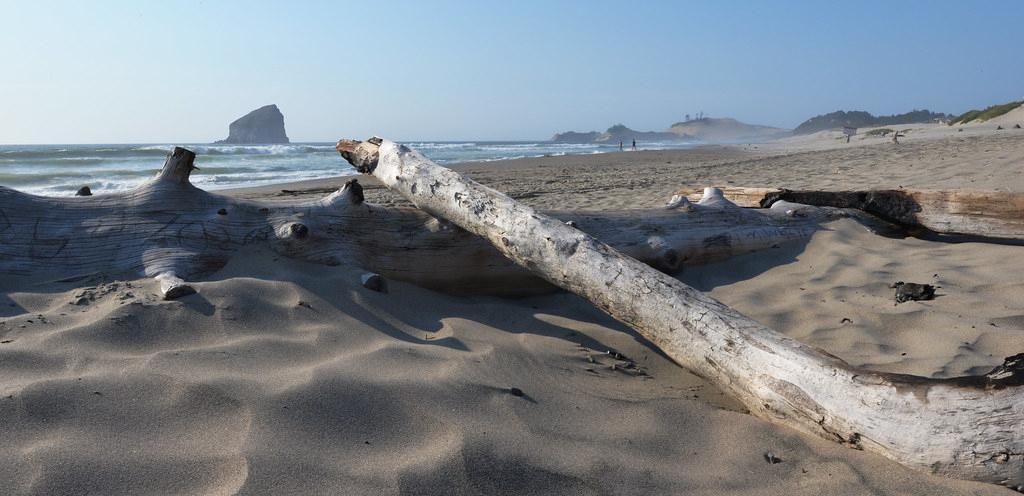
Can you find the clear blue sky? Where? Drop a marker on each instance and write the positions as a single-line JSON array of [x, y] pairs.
[[112, 72]]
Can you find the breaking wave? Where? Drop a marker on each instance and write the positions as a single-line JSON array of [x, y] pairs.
[[59, 170]]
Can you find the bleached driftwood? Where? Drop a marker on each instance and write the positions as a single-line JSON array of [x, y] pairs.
[[966, 427], [168, 228], [991, 214]]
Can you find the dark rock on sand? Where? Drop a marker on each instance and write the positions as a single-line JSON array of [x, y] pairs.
[[907, 291]]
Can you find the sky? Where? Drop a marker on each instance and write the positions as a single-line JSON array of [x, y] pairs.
[[181, 71]]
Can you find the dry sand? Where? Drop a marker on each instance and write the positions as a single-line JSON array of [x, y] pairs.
[[286, 378]]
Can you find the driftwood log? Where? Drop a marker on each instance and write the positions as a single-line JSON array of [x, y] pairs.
[[965, 427], [171, 230], [987, 214]]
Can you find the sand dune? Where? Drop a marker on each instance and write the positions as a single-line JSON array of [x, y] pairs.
[[286, 378], [1012, 118]]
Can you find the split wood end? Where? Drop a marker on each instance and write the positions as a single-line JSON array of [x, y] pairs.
[[362, 155], [179, 165]]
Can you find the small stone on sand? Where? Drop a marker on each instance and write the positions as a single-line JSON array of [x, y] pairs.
[[374, 282]]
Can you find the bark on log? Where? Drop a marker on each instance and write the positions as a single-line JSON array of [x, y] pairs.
[[966, 427], [989, 214], [168, 226]]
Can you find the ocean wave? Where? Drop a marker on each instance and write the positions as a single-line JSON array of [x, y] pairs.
[[427, 145], [33, 154], [59, 170], [53, 162], [243, 149]]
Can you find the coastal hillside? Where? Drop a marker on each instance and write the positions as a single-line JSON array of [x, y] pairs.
[[725, 129], [615, 134], [860, 118], [704, 129]]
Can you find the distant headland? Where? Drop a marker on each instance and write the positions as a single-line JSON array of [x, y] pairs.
[[699, 129]]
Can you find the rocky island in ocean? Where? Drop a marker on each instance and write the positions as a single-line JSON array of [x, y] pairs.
[[264, 125]]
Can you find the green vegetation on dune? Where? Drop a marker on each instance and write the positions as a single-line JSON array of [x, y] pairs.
[[984, 115], [860, 118]]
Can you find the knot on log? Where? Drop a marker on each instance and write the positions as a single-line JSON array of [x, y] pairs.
[[354, 191], [298, 231], [178, 166], [363, 155], [664, 257], [680, 202], [349, 194], [712, 193], [714, 197]]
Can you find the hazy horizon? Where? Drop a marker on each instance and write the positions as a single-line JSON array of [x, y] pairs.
[[180, 72]]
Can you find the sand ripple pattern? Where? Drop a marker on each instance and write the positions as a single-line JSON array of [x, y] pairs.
[[286, 378]]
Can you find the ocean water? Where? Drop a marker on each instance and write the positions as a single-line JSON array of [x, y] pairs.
[[59, 170]]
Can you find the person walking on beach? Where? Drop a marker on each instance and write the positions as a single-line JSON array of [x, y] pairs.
[[634, 145], [620, 146]]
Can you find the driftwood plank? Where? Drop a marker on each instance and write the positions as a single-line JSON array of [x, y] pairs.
[[966, 427], [990, 214]]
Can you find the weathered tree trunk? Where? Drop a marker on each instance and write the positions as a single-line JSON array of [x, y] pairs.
[[967, 427], [168, 228], [991, 214]]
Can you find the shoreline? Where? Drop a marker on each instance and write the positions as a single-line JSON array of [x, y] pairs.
[[933, 158], [60, 170], [312, 188]]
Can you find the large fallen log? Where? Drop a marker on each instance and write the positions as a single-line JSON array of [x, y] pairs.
[[965, 427], [169, 229], [990, 214]]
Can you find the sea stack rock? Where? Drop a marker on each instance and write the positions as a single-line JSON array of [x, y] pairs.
[[264, 125]]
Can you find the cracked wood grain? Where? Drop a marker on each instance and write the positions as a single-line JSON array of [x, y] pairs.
[[167, 225], [964, 427]]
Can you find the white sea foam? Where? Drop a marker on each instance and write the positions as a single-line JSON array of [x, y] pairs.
[[244, 149]]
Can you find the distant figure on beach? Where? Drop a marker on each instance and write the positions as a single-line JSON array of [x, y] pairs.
[[620, 146], [634, 145]]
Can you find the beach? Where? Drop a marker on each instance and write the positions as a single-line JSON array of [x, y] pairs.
[[285, 377]]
